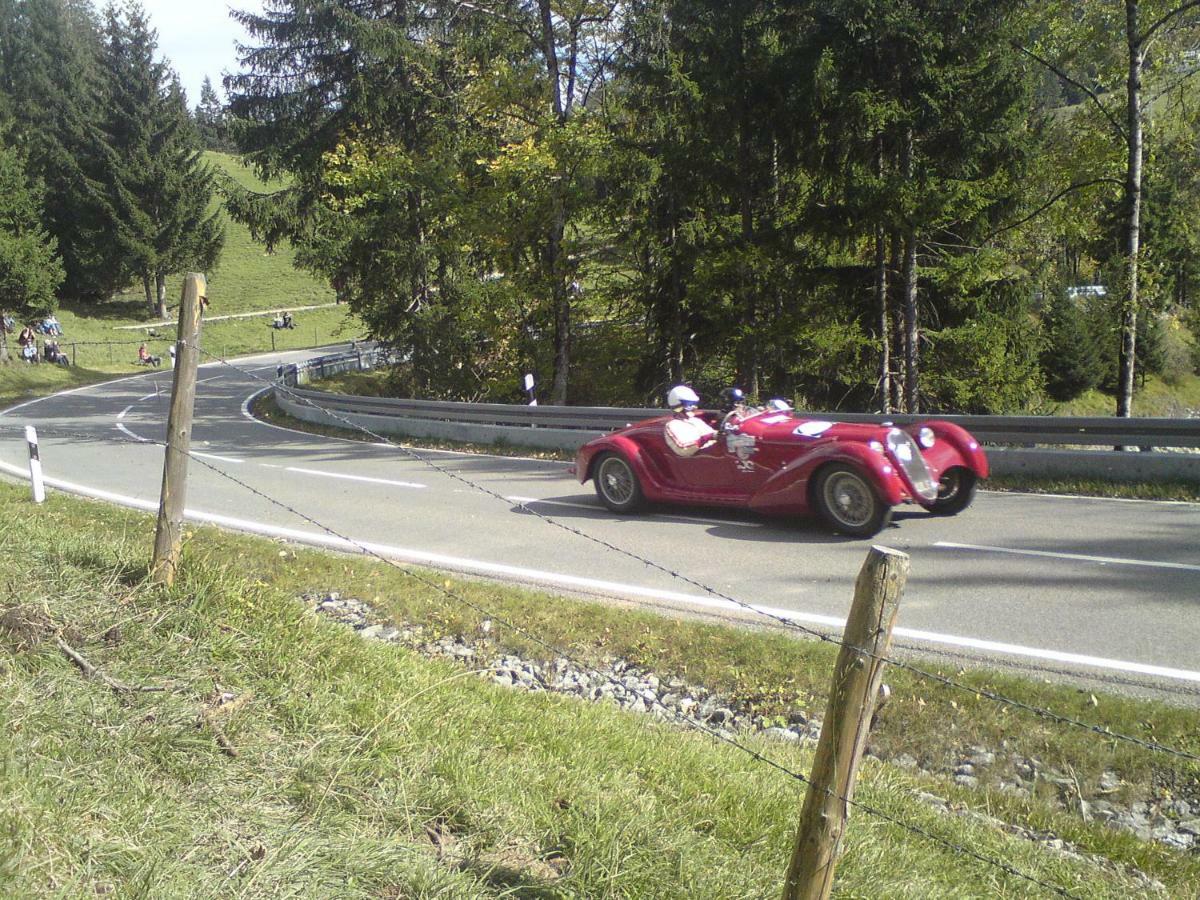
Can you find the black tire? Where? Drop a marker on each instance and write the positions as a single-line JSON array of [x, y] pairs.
[[956, 491], [846, 501], [617, 484]]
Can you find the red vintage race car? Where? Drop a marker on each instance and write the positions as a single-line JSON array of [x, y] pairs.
[[779, 463]]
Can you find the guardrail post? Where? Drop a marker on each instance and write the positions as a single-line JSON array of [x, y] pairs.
[[35, 466], [856, 679]]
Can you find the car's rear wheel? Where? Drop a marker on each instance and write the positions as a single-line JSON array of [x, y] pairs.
[[956, 491], [617, 484], [846, 501]]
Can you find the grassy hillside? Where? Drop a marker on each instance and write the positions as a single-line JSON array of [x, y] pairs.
[[286, 756], [247, 279]]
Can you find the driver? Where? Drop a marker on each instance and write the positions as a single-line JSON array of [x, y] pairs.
[[686, 432]]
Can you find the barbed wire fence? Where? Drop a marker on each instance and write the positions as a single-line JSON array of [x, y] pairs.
[[703, 727], [674, 573], [557, 651]]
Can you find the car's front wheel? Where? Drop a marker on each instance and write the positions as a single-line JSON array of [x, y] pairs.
[[847, 502], [617, 484], [956, 491]]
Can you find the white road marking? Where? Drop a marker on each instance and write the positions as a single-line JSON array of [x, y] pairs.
[[1077, 557], [228, 459], [609, 587], [121, 414], [136, 437], [404, 484]]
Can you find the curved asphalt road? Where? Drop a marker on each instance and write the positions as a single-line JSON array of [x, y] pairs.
[[1105, 589]]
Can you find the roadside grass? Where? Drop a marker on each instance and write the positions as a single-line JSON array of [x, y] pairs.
[[362, 770], [1153, 398], [1097, 487]]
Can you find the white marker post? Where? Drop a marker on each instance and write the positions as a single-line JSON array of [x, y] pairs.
[[35, 466]]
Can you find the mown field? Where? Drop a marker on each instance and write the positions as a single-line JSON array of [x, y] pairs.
[[248, 279], [284, 756]]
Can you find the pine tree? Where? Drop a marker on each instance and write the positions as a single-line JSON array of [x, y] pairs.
[[152, 175], [1072, 359], [50, 70], [30, 271], [209, 116]]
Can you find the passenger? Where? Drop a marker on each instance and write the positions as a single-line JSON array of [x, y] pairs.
[[687, 433]]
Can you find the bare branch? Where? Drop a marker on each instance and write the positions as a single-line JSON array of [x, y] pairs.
[[91, 671], [1069, 80], [1045, 206], [1170, 87], [1167, 17]]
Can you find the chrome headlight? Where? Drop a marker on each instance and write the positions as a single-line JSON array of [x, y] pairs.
[[925, 437]]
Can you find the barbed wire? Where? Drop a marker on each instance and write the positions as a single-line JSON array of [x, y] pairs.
[[687, 721], [790, 624]]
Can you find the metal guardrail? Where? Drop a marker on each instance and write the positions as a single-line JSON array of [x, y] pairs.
[[1017, 445], [1098, 431]]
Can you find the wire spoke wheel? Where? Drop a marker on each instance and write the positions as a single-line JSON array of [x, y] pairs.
[[956, 491], [846, 500], [617, 484]]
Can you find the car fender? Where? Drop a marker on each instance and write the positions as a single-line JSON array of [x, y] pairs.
[[954, 446], [788, 489], [629, 449]]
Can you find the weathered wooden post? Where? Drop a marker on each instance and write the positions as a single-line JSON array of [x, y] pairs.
[[168, 535], [856, 679]]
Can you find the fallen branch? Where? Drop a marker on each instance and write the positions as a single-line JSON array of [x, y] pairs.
[[91, 671], [207, 718]]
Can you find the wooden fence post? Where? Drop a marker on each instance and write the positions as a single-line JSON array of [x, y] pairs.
[[856, 680], [168, 535]]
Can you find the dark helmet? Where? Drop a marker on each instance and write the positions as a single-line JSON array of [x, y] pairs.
[[731, 397]]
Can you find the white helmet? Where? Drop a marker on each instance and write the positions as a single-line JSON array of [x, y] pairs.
[[682, 397]]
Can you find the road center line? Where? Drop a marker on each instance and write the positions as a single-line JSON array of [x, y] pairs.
[[404, 484], [1078, 557]]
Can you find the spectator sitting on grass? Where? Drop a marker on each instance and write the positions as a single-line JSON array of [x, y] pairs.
[[145, 359], [52, 354]]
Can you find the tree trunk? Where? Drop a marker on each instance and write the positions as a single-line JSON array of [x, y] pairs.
[[912, 331], [881, 301], [160, 289], [1133, 201], [885, 323], [895, 305], [148, 289], [560, 301], [911, 324], [561, 305]]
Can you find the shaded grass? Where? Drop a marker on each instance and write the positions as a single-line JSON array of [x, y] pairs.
[[362, 770]]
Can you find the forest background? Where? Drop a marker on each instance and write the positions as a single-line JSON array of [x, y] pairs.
[[856, 204]]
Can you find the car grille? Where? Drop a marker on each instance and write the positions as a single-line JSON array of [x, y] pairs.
[[908, 456]]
